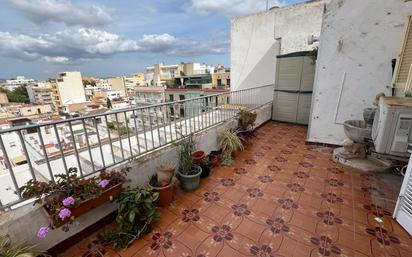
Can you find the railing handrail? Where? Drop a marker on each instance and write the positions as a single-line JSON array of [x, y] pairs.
[[155, 126], [121, 110]]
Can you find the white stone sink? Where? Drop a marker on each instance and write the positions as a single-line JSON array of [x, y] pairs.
[[356, 130]]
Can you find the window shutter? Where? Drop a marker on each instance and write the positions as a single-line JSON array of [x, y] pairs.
[[404, 60]]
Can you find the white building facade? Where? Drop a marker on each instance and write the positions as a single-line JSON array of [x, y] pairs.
[[69, 88]]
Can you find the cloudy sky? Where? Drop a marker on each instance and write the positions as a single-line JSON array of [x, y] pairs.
[[39, 38]]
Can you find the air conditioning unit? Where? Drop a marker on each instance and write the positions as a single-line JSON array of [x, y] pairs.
[[391, 131]]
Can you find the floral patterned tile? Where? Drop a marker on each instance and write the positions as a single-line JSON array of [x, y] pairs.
[[280, 198]]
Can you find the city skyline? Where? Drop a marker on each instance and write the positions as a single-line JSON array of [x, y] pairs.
[[106, 38]]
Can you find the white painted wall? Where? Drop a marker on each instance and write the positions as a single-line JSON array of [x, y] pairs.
[[71, 88], [358, 41], [257, 39]]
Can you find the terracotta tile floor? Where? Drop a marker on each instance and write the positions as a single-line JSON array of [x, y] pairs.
[[281, 198]]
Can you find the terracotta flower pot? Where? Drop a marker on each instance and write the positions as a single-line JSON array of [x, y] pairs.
[[198, 157], [214, 160], [85, 206], [165, 195]]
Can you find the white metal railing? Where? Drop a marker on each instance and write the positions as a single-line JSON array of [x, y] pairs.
[[93, 143]]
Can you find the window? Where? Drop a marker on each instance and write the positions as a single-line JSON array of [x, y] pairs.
[[227, 82], [404, 61], [171, 97], [181, 97], [219, 82]]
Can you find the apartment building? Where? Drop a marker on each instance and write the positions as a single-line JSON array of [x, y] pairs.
[[195, 81], [68, 89], [108, 94], [117, 84], [99, 85], [136, 80], [41, 93], [180, 94], [160, 74], [12, 84], [30, 110], [165, 75], [149, 95], [221, 77], [195, 68]]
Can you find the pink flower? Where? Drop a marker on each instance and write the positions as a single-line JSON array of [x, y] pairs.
[[103, 183], [69, 201], [43, 232], [64, 213]]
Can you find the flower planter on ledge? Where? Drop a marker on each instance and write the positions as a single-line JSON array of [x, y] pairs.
[[85, 206]]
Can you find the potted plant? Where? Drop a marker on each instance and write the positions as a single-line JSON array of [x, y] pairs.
[[230, 143], [164, 188], [213, 159], [136, 214], [20, 250], [189, 173], [206, 168], [70, 196], [246, 119]]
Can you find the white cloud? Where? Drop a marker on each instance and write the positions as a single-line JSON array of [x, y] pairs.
[[87, 44], [40, 11], [230, 7]]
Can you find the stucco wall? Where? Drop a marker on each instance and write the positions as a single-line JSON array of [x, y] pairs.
[[358, 41], [257, 39], [22, 223]]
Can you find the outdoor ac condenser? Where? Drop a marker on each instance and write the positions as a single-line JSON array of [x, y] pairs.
[[392, 126]]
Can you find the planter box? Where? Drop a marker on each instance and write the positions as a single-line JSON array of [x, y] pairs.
[[86, 206]]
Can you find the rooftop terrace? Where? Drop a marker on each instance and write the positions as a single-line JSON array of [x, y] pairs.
[[281, 198]]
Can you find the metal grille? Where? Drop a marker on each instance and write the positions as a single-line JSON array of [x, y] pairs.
[[93, 143]]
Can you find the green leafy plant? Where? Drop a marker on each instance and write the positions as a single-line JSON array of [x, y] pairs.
[[19, 95], [185, 149], [153, 181], [230, 143], [246, 119], [20, 250], [68, 191], [226, 159], [137, 211]]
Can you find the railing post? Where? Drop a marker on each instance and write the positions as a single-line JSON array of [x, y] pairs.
[[9, 167]]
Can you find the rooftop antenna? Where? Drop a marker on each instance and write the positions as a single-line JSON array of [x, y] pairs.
[[267, 5]]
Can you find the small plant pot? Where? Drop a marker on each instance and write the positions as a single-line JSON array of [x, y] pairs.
[[165, 195], [198, 157], [214, 160], [205, 170], [191, 182]]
